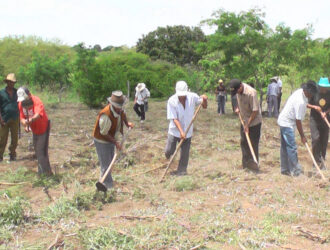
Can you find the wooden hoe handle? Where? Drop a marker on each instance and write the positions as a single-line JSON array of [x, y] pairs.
[[315, 164], [248, 140]]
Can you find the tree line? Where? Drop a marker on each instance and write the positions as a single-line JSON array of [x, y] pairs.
[[242, 46]]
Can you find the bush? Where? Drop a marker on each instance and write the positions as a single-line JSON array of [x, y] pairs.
[[95, 78]]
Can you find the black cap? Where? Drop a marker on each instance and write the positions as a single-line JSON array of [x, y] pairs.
[[234, 84]]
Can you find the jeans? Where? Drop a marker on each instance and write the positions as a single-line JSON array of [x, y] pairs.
[[139, 110], [221, 104], [289, 156], [184, 155]]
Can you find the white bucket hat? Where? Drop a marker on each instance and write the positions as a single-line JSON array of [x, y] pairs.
[[181, 88], [141, 86]]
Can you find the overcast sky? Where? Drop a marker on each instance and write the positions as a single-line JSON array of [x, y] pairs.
[[123, 22]]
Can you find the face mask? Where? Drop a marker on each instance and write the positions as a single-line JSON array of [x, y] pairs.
[[27, 103]]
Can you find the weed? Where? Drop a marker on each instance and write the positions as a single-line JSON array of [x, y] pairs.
[[5, 235], [21, 174], [138, 193], [13, 211], [47, 181], [61, 209], [105, 237], [185, 183]]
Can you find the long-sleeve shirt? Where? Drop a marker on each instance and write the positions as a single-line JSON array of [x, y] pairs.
[[273, 89]]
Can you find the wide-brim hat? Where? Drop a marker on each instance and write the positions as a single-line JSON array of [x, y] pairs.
[[141, 86], [324, 82], [234, 84], [117, 99], [10, 78], [181, 88]]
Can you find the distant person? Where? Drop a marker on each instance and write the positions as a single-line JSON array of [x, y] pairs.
[[34, 117], [272, 98], [109, 122], [180, 111], [9, 117], [248, 106], [233, 102], [292, 116], [320, 109], [279, 97], [221, 97], [141, 100]]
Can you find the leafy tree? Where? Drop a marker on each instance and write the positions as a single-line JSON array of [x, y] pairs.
[[175, 44]]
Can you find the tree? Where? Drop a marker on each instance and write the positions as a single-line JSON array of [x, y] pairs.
[[175, 44]]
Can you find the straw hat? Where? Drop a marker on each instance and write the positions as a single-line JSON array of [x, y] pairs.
[[220, 81], [141, 86], [10, 78], [117, 99]]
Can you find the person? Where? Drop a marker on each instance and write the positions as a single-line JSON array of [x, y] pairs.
[[180, 111], [141, 98], [9, 117], [320, 109], [249, 108], [221, 97], [279, 96], [272, 98], [33, 117], [290, 117], [233, 102], [109, 122]]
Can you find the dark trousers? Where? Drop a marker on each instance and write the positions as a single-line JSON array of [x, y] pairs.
[[234, 102], [221, 104], [139, 109], [184, 155], [13, 127], [254, 134], [320, 136]]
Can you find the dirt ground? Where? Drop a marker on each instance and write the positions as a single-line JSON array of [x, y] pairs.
[[217, 206]]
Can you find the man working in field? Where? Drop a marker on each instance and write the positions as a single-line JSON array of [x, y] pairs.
[[141, 100], [109, 122], [33, 116], [249, 108], [9, 117], [273, 91], [320, 109], [180, 111], [291, 116]]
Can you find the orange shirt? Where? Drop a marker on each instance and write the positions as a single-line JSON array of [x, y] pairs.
[[38, 126]]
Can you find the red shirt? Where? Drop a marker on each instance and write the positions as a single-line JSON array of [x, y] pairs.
[[40, 125]]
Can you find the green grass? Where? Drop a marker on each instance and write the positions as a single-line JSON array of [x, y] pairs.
[[13, 211], [105, 238], [185, 183], [21, 174]]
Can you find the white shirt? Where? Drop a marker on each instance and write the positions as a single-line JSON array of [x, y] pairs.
[[294, 109], [105, 124], [142, 96], [273, 89], [279, 82], [175, 110]]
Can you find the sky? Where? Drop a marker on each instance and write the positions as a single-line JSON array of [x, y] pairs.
[[123, 22]]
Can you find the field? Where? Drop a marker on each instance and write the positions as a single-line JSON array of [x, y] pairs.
[[218, 205]]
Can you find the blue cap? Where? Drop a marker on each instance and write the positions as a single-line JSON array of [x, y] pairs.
[[324, 82]]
